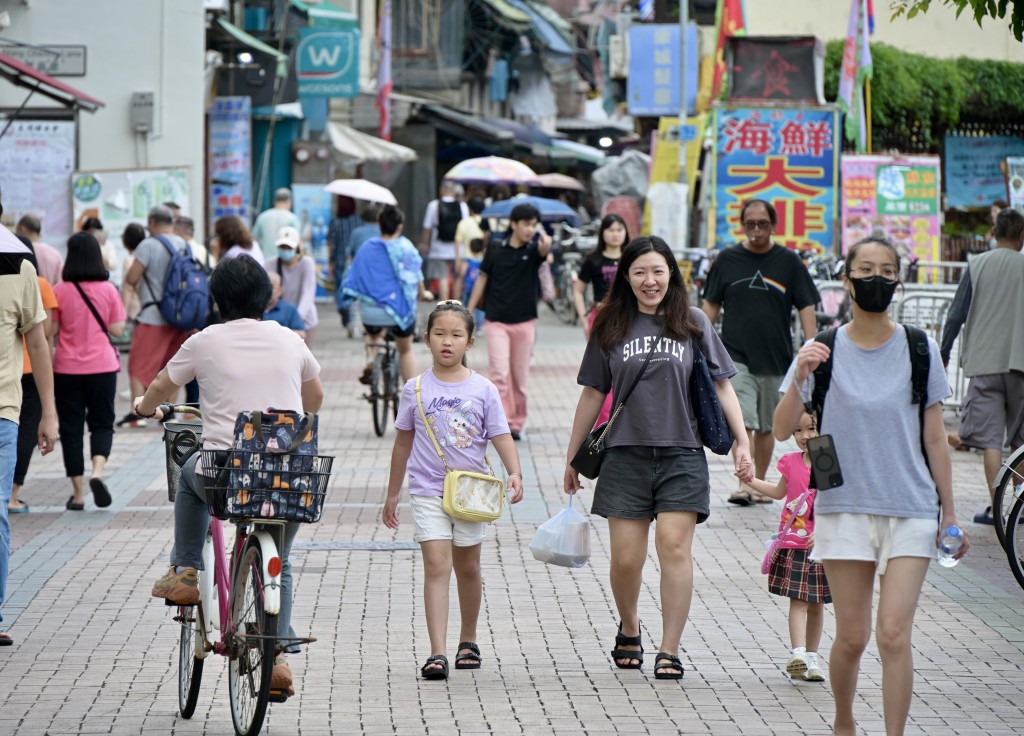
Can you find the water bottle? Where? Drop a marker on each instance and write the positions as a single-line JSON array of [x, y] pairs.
[[950, 543]]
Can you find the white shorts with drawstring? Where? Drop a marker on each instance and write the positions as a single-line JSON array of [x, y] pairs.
[[432, 523], [872, 538]]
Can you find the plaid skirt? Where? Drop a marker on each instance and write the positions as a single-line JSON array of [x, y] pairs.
[[794, 575]]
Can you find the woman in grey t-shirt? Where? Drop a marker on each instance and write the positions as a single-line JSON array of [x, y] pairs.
[[654, 467], [884, 518]]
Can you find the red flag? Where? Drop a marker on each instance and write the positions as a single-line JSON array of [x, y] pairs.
[[384, 82], [730, 20]]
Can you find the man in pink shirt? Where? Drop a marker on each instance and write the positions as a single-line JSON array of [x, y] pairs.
[[51, 263]]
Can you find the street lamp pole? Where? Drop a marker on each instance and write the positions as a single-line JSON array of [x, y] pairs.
[[684, 17]]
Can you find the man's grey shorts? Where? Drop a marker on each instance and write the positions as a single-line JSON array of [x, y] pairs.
[[993, 411], [439, 268], [758, 395], [641, 482]]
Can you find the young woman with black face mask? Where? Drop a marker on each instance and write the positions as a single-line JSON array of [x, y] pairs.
[[896, 497]]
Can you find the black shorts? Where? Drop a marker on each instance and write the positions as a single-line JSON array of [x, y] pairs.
[[641, 482], [393, 329]]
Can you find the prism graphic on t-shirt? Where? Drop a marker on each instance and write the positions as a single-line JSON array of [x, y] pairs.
[[759, 282]]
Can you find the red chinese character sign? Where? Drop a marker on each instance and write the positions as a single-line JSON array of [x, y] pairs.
[[896, 198], [787, 156]]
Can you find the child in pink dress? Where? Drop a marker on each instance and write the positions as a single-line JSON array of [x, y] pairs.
[[793, 575]]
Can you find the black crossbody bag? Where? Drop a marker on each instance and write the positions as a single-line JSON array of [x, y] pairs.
[[587, 460], [103, 325]]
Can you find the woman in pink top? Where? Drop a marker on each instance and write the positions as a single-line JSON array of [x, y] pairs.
[[86, 364]]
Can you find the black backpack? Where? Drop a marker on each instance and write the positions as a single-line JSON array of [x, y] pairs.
[[449, 215], [920, 364]]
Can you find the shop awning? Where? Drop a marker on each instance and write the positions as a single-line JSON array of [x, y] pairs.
[[362, 147], [26, 76], [546, 31], [508, 17], [580, 151], [325, 14], [254, 43], [466, 126]]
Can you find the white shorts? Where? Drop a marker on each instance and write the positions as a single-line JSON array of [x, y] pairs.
[[433, 523], [872, 538]]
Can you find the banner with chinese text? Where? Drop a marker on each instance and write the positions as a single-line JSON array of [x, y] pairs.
[[787, 156], [896, 198], [230, 131]]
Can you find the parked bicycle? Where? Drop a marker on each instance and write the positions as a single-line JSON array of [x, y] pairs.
[[567, 277], [1009, 490], [240, 598], [385, 384]]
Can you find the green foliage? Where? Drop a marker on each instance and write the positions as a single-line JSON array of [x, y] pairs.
[[980, 9], [915, 97]]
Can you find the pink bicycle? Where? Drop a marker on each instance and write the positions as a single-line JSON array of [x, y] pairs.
[[240, 599]]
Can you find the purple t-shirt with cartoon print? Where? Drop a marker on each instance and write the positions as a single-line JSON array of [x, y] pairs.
[[464, 417]]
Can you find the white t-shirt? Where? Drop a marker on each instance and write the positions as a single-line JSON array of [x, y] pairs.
[[243, 365], [440, 249]]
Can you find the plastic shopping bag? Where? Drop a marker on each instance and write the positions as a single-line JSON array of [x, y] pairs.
[[564, 539]]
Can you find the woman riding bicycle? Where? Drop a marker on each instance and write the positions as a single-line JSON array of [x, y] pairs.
[[241, 365], [386, 277]]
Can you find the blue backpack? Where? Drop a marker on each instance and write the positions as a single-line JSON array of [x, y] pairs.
[[185, 303]]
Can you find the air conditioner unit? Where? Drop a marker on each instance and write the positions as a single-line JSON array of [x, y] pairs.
[[618, 57], [217, 6]]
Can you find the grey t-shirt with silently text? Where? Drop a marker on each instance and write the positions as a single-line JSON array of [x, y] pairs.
[[876, 429], [658, 412]]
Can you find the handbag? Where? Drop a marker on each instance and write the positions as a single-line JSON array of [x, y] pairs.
[[773, 543], [96, 314], [468, 495], [711, 422], [587, 460]]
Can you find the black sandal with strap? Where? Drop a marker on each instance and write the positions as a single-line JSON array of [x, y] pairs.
[[627, 641], [473, 656], [673, 664], [435, 674]]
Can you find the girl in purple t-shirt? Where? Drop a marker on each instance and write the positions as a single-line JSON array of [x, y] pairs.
[[793, 574], [464, 412]]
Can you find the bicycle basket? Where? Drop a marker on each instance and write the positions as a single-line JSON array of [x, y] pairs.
[[181, 441], [242, 484]]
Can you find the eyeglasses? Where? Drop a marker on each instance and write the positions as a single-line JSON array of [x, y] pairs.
[[866, 272], [456, 302], [757, 224]]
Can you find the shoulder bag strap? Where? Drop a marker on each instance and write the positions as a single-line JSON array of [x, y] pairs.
[[622, 402], [430, 432], [96, 314], [822, 376], [792, 517]]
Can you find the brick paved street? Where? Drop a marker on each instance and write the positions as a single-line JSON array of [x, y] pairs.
[[95, 654]]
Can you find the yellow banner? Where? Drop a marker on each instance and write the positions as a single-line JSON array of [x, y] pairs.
[[665, 158]]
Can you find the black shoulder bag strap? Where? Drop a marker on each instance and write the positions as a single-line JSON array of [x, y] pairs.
[[621, 403], [920, 366], [103, 325], [822, 376]]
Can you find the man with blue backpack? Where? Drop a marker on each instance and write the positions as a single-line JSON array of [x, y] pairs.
[[175, 300]]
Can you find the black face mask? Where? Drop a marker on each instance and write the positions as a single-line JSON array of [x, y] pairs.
[[873, 294]]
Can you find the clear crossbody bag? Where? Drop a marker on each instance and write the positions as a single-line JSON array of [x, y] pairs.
[[468, 495]]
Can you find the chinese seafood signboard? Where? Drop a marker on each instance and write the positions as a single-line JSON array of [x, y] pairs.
[[896, 198], [786, 156]]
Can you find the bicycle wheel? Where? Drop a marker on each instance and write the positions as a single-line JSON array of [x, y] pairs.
[[251, 655], [379, 394], [1015, 541], [395, 389], [1008, 491], [190, 667], [564, 308]]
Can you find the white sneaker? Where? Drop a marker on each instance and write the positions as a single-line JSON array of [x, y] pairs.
[[814, 674], [796, 666]]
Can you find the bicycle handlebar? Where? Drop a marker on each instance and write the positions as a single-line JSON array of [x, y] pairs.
[[168, 409]]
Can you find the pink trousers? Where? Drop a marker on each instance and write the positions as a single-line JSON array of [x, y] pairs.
[[508, 356]]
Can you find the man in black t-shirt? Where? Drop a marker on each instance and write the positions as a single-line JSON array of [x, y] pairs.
[[507, 288], [759, 283]]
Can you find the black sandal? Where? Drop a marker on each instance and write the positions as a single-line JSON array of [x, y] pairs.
[[627, 641], [673, 664], [473, 657], [435, 674]]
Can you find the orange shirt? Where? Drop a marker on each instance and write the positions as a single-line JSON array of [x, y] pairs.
[[49, 302]]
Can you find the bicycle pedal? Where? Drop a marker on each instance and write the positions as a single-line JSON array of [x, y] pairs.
[[277, 696]]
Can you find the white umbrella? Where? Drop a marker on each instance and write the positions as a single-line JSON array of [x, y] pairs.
[[361, 189], [9, 243]]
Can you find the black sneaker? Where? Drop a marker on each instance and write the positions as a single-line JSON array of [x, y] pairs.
[[132, 420]]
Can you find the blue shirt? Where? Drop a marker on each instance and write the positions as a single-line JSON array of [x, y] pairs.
[[360, 235], [284, 314]]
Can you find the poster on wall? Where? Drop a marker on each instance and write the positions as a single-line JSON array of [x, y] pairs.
[[36, 161], [786, 156], [1015, 182], [896, 198], [230, 151], [974, 176], [121, 196], [313, 206]]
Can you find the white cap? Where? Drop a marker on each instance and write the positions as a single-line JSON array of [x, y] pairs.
[[288, 236]]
